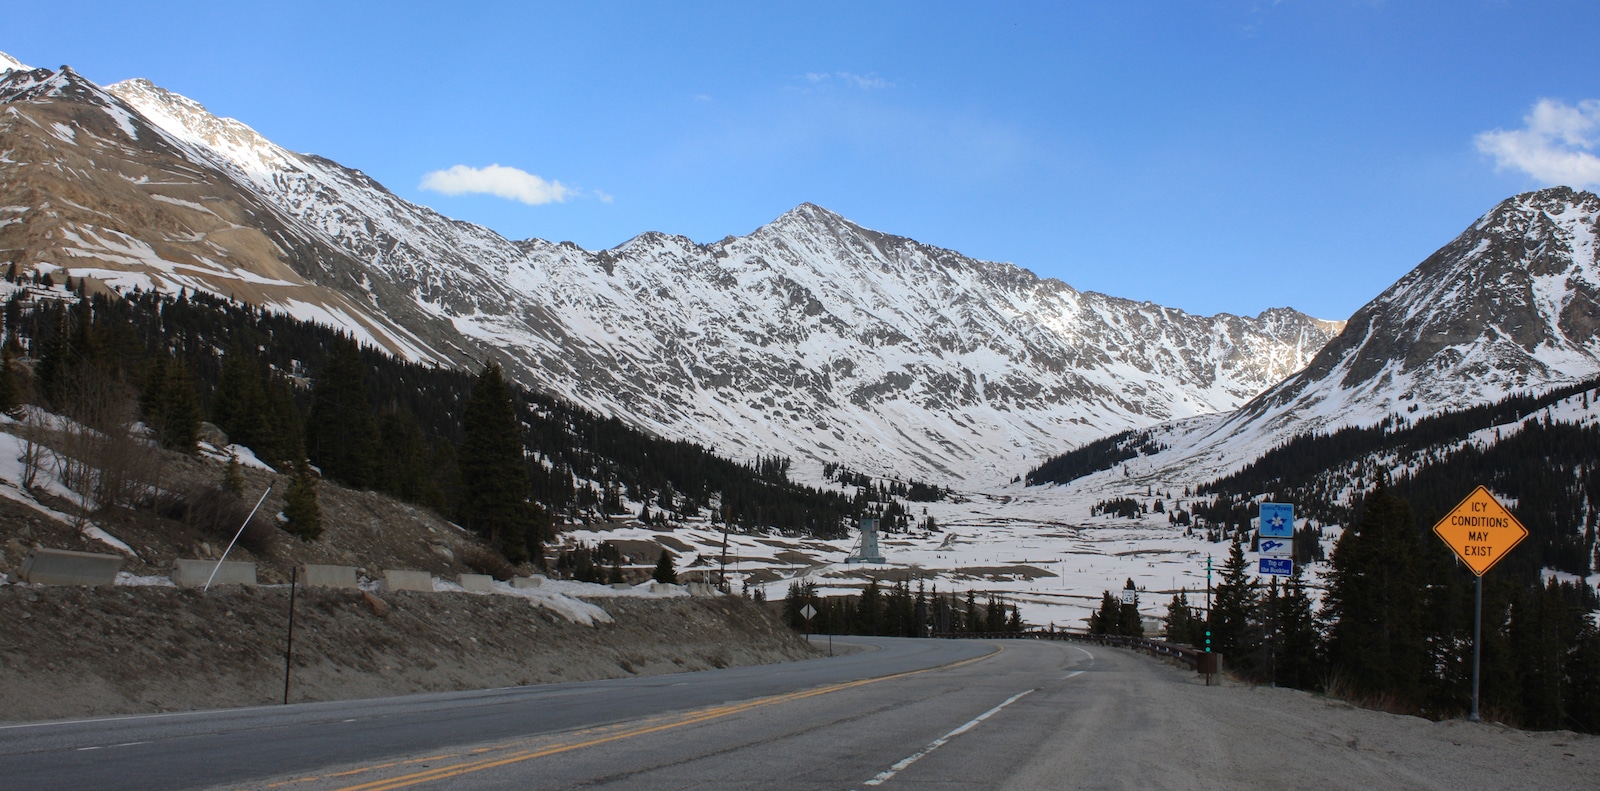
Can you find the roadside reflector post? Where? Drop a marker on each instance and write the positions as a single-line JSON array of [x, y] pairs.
[[1480, 531]]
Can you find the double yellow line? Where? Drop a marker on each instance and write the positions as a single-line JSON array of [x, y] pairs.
[[693, 718]]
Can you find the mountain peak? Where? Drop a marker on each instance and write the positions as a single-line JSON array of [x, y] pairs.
[[8, 63], [810, 214]]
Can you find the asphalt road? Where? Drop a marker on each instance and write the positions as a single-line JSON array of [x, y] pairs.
[[910, 713]]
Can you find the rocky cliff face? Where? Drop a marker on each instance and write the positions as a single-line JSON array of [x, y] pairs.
[[811, 337], [1511, 305]]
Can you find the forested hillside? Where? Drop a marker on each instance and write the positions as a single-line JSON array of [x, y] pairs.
[[289, 389]]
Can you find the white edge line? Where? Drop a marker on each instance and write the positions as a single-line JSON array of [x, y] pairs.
[[940, 742]]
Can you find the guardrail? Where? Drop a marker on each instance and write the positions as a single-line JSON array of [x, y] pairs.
[[1182, 653]]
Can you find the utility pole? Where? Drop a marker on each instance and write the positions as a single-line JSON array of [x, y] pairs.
[[288, 651]]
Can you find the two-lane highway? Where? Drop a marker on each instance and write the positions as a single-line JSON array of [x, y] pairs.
[[908, 713], [240, 746]]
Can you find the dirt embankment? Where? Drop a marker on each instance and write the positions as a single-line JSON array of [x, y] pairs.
[[72, 652]]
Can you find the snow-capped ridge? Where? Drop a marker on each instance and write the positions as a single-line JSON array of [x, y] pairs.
[[8, 63], [811, 337], [1511, 305]]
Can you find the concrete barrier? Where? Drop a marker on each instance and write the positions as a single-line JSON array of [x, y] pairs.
[[194, 573], [703, 589], [477, 583], [661, 587], [527, 582], [65, 567], [621, 586], [314, 576], [401, 580]]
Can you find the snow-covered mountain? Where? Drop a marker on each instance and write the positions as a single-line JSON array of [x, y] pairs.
[[1511, 305], [811, 337]]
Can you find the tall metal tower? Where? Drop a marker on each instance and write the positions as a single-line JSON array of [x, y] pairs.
[[867, 549]]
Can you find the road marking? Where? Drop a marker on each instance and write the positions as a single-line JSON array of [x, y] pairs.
[[690, 718], [1085, 652], [1070, 675], [940, 742]]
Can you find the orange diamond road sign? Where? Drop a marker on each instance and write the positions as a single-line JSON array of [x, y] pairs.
[[1480, 530]]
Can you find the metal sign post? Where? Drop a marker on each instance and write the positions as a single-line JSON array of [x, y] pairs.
[[808, 611], [1480, 531]]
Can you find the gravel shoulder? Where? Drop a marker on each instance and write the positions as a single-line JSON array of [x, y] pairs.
[[1137, 723]]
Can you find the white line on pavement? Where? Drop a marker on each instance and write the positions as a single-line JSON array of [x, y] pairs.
[[940, 742]]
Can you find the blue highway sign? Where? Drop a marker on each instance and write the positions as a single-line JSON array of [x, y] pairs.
[[1277, 520], [1276, 567]]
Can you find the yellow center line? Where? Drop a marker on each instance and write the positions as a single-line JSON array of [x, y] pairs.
[[692, 718]]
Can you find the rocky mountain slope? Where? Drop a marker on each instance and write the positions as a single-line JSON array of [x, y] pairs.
[[811, 337], [1511, 305]]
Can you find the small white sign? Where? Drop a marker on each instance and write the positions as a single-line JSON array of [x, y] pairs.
[[1129, 596], [1276, 547], [808, 611]]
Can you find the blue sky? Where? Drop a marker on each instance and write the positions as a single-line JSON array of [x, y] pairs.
[[1211, 156]]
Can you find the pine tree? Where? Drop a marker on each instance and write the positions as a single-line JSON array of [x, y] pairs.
[[1108, 619], [406, 464], [233, 477], [1298, 659], [1181, 621], [8, 382], [494, 479], [1234, 608], [239, 406], [664, 572], [300, 504], [180, 417], [1375, 642], [341, 432]]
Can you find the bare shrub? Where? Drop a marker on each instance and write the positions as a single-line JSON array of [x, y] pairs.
[[98, 453], [484, 560], [35, 455], [218, 512]]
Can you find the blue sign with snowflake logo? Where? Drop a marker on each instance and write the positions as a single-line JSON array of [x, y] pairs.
[[1277, 520]]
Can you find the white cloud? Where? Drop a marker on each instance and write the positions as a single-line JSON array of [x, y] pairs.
[[866, 82], [1556, 147], [497, 180]]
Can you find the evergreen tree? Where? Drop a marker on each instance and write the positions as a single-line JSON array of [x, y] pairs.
[[406, 466], [869, 611], [233, 477], [1181, 621], [341, 432], [664, 572], [8, 382], [1298, 659], [1375, 643], [1234, 608], [494, 480], [300, 504], [168, 404], [239, 405], [1108, 619]]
